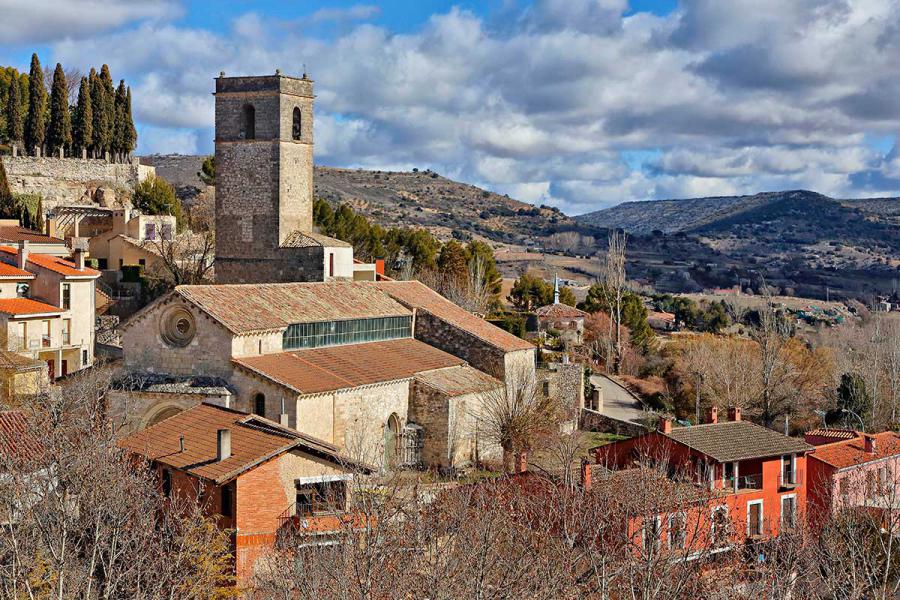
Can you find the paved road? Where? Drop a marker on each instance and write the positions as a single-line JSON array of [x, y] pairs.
[[618, 402]]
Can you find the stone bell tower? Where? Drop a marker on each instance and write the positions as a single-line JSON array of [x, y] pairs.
[[264, 177]]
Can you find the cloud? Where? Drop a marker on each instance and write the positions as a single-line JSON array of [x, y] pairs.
[[553, 103], [40, 21]]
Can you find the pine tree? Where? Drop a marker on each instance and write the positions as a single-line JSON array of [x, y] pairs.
[[37, 102], [15, 125], [119, 130], [83, 123], [59, 133], [130, 141]]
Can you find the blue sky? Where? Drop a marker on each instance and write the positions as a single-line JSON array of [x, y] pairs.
[[575, 103]]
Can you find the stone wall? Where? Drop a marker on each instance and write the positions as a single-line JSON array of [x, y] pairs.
[[71, 180], [479, 354], [591, 420]]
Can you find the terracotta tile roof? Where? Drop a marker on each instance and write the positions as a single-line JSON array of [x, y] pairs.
[[341, 367], [253, 441], [17, 362], [16, 233], [308, 239], [16, 437], [559, 311], [737, 440], [458, 381], [53, 263], [26, 306], [256, 307], [13, 272], [833, 434], [849, 453], [417, 295]]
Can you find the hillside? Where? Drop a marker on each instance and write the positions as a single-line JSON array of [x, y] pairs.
[[416, 199]]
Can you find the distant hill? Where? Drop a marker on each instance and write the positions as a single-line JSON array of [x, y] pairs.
[[415, 198]]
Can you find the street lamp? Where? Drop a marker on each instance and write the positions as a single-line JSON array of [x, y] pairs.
[[862, 423]]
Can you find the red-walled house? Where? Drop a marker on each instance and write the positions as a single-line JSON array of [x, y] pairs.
[[750, 474], [857, 470], [256, 476]]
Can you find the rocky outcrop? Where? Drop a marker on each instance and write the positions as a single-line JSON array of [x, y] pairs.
[[62, 181]]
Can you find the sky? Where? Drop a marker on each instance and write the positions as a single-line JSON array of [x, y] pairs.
[[579, 104]]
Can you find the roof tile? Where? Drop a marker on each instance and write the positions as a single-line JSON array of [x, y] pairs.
[[849, 453], [26, 306], [737, 440]]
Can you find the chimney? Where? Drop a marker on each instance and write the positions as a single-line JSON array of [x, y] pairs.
[[870, 444], [223, 444], [22, 255], [521, 464], [283, 420], [734, 413], [665, 425], [79, 259], [379, 267], [181, 443], [585, 475], [712, 415]]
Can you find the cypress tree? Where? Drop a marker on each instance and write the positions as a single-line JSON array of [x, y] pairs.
[[83, 123], [130, 131], [37, 101], [108, 109], [119, 135], [96, 112], [59, 133], [15, 125]]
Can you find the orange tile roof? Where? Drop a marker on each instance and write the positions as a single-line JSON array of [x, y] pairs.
[[417, 295], [26, 306], [341, 367], [458, 381], [849, 453], [253, 441], [559, 311], [17, 233], [53, 263], [16, 437], [255, 307], [13, 272]]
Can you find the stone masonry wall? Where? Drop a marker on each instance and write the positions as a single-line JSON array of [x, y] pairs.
[[457, 342], [428, 408], [70, 180]]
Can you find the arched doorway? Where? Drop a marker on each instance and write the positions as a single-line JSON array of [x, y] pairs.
[[391, 438], [259, 404], [161, 415]]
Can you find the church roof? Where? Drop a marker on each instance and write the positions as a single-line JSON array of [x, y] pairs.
[[458, 381], [308, 239], [243, 308], [319, 370], [415, 294], [559, 311]]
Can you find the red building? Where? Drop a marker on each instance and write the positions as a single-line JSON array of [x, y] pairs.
[[253, 475], [752, 477], [849, 469]]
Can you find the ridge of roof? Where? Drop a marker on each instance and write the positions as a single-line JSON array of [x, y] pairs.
[[716, 440]]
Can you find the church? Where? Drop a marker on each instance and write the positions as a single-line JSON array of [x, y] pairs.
[[297, 331]]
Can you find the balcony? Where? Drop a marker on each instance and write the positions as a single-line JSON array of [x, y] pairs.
[[745, 482], [45, 341]]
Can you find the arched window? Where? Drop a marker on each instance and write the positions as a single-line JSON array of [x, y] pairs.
[[259, 404], [249, 129], [391, 437], [298, 120]]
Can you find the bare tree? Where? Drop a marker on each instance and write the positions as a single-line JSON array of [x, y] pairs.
[[613, 286]]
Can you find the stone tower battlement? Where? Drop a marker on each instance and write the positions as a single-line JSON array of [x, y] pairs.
[[264, 173]]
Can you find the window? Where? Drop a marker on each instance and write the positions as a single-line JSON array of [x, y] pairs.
[[259, 404], [324, 496], [66, 331], [755, 518], [788, 511], [166, 483], [248, 132], [677, 532], [142, 262], [227, 502], [331, 264], [651, 533], [333, 333], [720, 525], [66, 296], [103, 263], [166, 231], [296, 130], [150, 231], [84, 357], [787, 469]]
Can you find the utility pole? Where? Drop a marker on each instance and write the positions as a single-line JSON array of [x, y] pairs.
[[697, 401]]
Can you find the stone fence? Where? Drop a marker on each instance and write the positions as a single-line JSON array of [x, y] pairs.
[[71, 180]]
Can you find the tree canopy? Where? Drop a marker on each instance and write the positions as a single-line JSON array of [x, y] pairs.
[[155, 196]]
